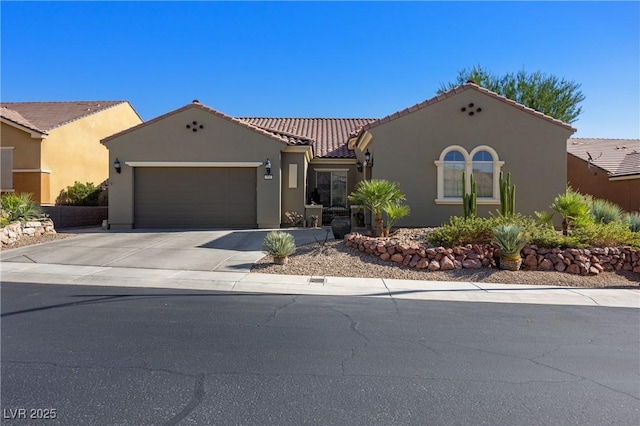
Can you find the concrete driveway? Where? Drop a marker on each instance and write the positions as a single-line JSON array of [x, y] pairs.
[[194, 250]]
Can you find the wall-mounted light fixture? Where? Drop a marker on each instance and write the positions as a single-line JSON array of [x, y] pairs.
[[117, 166], [267, 166], [359, 166], [367, 158]]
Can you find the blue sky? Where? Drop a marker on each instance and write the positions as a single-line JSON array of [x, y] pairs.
[[316, 59]]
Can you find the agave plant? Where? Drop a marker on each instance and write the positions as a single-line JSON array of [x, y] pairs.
[[279, 245], [376, 194], [511, 239]]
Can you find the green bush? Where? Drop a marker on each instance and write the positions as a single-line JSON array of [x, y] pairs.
[[19, 207], [477, 230], [82, 194], [511, 239], [279, 244], [604, 211], [605, 235], [633, 221]]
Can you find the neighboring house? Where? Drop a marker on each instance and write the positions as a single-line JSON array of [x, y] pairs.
[[47, 146], [607, 169], [197, 167]]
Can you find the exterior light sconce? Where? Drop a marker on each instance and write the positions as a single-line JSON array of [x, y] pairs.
[[117, 166], [367, 158], [267, 166], [359, 166]]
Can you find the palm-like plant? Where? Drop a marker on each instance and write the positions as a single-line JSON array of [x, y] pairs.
[[20, 207], [574, 208], [375, 195], [395, 211]]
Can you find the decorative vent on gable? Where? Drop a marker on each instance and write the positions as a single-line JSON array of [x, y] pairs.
[[194, 126], [471, 109]]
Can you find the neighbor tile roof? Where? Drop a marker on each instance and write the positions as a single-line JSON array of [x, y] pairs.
[[45, 116], [328, 136], [459, 89], [618, 157]]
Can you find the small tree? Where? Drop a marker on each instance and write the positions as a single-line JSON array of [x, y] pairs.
[[376, 195], [574, 208], [551, 95]]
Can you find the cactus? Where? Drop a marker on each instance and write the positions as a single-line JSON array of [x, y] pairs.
[[507, 196], [469, 201]]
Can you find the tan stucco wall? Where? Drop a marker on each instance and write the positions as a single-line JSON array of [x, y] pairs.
[[293, 199], [73, 152], [625, 193], [168, 140], [26, 156], [533, 149]]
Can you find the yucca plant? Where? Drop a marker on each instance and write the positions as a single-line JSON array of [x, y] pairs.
[[633, 221], [279, 245], [511, 239], [19, 207], [604, 211]]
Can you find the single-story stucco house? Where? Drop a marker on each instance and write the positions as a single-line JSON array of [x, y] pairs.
[[47, 146], [607, 169], [197, 167]]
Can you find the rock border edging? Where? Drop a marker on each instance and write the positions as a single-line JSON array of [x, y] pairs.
[[475, 256], [13, 232]]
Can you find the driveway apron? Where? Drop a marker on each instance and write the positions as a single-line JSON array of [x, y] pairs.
[[195, 250]]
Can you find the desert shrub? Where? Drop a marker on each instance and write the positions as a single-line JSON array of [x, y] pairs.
[[279, 244], [477, 230], [633, 221], [19, 207], [605, 235], [460, 231], [82, 194], [604, 211]]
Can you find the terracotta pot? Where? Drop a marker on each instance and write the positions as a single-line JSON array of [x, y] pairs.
[[340, 226], [510, 264]]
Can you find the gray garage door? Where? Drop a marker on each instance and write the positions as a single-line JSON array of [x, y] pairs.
[[196, 197]]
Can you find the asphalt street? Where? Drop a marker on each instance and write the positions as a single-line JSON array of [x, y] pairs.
[[138, 356]]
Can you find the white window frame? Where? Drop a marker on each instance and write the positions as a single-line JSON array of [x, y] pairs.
[[468, 168]]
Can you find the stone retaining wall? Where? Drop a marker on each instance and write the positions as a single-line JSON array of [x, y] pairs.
[[574, 261], [13, 232]]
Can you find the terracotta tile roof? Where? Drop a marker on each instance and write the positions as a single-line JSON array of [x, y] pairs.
[[328, 136], [45, 116], [459, 89], [618, 157], [17, 118]]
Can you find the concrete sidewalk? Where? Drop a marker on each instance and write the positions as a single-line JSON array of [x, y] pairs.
[[309, 285]]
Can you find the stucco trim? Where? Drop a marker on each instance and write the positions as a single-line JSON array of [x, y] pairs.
[[193, 164], [35, 134], [31, 171], [628, 177]]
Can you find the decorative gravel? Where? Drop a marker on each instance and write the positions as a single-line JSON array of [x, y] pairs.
[[28, 241], [337, 260]]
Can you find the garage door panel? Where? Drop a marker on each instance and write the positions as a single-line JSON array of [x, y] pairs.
[[195, 197]]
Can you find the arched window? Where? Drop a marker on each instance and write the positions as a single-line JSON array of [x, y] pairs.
[[454, 164], [482, 162], [482, 169]]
